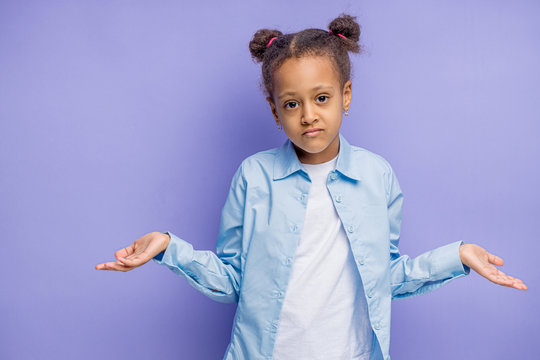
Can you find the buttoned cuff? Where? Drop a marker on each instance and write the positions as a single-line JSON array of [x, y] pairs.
[[448, 264], [178, 253]]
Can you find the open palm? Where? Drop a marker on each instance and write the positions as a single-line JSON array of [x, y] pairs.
[[138, 253], [481, 261]]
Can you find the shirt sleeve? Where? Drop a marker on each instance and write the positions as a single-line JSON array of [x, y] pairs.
[[217, 275], [426, 272]]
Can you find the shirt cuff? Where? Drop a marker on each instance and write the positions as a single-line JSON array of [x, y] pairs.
[[449, 262], [179, 252]]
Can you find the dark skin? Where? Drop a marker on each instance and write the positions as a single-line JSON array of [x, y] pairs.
[[308, 95]]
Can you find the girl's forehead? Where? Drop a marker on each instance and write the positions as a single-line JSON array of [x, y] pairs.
[[305, 70]]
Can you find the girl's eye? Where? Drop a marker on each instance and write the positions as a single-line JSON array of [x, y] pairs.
[[291, 105], [322, 98]]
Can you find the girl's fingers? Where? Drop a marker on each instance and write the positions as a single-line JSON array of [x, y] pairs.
[[498, 277], [506, 280], [518, 285], [113, 266], [511, 278], [135, 260], [127, 251], [494, 259]]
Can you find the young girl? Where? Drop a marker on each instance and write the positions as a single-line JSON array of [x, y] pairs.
[[309, 233]]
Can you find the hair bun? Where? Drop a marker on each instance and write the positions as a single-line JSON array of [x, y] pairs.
[[348, 27], [257, 45]]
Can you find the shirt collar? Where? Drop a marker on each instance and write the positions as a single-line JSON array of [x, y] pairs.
[[287, 163]]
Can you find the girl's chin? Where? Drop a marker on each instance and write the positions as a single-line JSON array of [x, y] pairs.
[[310, 150]]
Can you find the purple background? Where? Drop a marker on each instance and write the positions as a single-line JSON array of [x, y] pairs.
[[119, 118]]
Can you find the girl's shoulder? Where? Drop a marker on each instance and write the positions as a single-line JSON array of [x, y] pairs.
[[261, 162], [370, 158]]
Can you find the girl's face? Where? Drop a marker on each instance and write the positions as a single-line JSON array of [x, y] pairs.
[[308, 104]]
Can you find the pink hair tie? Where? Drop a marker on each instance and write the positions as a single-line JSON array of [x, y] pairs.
[[270, 42], [340, 35]]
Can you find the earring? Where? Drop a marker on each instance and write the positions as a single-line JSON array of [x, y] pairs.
[[347, 112], [279, 127]]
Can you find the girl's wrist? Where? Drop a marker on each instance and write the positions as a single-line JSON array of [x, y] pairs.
[[167, 239], [462, 247]]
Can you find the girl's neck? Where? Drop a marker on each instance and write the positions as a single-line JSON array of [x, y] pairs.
[[324, 156]]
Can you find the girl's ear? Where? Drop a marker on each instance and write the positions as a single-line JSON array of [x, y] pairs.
[[347, 94], [273, 108]]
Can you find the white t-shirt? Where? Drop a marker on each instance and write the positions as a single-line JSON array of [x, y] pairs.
[[324, 313]]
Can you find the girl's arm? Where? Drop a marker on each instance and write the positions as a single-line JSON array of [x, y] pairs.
[[432, 269], [426, 272], [217, 275]]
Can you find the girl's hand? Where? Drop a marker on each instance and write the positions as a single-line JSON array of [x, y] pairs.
[[478, 259], [138, 253]]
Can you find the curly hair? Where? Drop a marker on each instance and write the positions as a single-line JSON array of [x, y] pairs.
[[272, 47]]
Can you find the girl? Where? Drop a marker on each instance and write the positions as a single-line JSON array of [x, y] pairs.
[[309, 233]]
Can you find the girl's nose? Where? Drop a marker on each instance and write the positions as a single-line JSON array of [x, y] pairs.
[[309, 115]]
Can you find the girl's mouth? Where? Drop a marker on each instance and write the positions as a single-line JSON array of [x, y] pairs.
[[312, 132]]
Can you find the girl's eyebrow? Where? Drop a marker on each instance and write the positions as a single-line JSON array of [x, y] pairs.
[[316, 88]]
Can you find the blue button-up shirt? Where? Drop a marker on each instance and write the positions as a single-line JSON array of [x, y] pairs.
[[260, 226]]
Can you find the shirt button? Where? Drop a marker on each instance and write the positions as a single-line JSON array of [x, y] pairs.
[[377, 325], [350, 228], [333, 177], [370, 293], [288, 261], [338, 198], [294, 228], [361, 261]]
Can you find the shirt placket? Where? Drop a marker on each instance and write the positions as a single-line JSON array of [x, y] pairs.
[[291, 235]]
